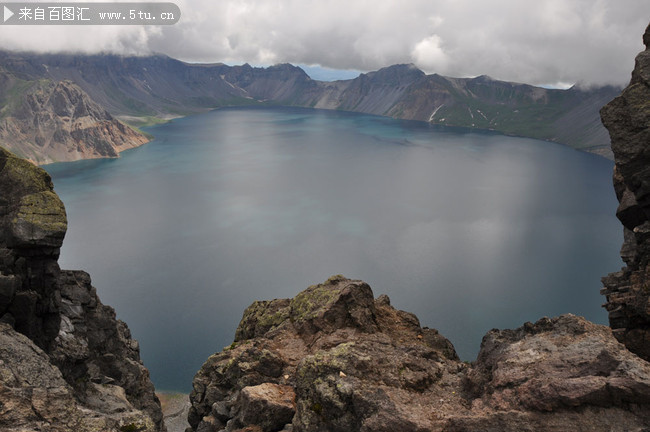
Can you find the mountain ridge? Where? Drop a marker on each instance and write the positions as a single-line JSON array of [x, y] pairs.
[[333, 358], [160, 86], [45, 121]]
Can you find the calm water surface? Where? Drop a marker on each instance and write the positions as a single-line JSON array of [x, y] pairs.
[[470, 231]]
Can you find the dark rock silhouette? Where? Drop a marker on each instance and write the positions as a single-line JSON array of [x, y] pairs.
[[628, 292]]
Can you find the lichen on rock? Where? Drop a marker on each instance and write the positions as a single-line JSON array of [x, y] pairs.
[[334, 346], [68, 364], [34, 214], [384, 372]]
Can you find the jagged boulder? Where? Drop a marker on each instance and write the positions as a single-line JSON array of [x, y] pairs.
[[299, 350], [560, 362], [334, 359], [32, 391], [35, 396], [66, 362], [628, 292], [558, 374]]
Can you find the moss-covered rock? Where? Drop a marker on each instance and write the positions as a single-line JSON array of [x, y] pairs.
[[341, 351], [337, 303], [106, 386], [261, 317], [34, 216]]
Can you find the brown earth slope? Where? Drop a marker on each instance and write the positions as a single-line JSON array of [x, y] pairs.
[[46, 122]]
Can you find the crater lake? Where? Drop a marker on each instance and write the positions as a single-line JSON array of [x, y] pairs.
[[468, 230]]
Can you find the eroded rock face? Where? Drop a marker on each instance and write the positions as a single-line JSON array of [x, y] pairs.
[[76, 359], [333, 358], [57, 121], [557, 364], [35, 396], [628, 292]]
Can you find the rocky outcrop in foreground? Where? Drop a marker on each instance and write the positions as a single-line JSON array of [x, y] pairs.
[[628, 292], [66, 362], [48, 122], [334, 358]]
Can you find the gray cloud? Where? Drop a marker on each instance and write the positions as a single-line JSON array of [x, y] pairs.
[[540, 42]]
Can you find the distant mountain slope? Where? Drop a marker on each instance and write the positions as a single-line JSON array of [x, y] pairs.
[[161, 86], [47, 121]]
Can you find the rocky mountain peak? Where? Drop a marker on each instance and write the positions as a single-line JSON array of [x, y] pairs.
[[334, 358], [397, 75]]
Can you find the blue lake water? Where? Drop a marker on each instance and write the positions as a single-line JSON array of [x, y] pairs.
[[470, 231]]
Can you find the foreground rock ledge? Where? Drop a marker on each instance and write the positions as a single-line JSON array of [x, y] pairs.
[[66, 363], [334, 358]]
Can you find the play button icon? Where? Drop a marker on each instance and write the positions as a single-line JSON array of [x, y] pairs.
[[8, 14]]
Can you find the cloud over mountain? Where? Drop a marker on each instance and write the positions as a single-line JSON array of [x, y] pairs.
[[543, 42]]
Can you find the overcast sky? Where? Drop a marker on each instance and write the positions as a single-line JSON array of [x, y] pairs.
[[533, 41]]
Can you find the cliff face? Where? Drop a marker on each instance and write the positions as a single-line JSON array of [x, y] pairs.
[[402, 91], [48, 122], [66, 363], [628, 292], [334, 359]]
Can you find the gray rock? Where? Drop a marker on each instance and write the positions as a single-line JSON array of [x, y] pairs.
[[346, 357], [378, 370], [628, 120], [269, 406], [79, 339], [35, 396], [556, 364]]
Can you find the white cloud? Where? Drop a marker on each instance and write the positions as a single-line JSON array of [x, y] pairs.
[[545, 41], [429, 55]]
